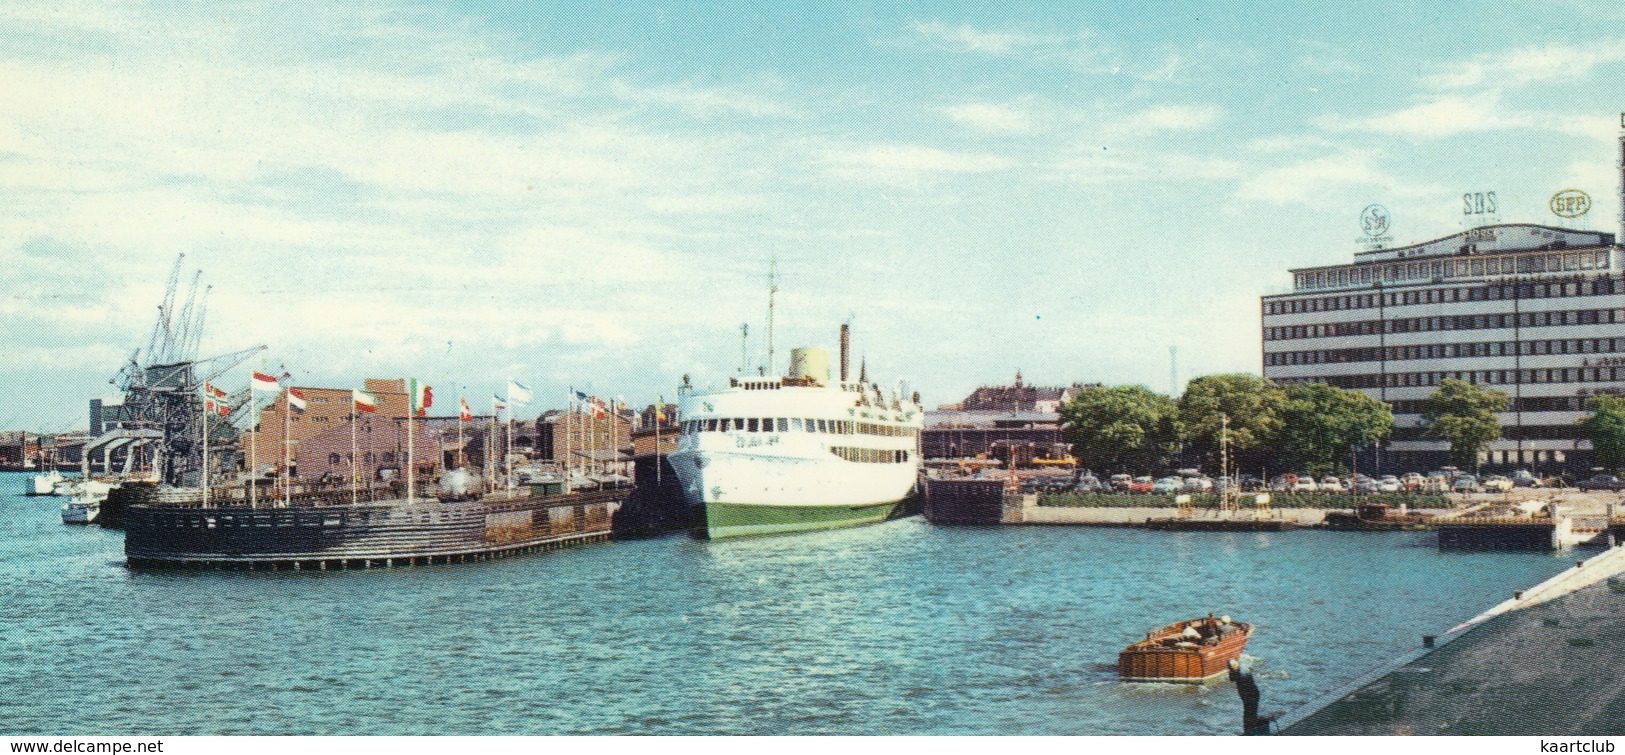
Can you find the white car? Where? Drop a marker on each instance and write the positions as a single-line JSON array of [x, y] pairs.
[[1389, 484], [1497, 484], [1305, 484], [1331, 485]]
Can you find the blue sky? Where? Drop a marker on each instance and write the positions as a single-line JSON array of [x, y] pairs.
[[585, 195]]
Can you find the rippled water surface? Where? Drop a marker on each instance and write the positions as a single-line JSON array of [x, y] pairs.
[[898, 628]]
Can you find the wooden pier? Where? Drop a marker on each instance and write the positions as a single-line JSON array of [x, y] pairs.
[[368, 535]]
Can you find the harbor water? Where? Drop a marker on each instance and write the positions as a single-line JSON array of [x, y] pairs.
[[896, 628]]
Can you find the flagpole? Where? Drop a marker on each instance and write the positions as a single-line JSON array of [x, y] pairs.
[[460, 413], [507, 450], [205, 440], [411, 448], [355, 469], [254, 452], [490, 440], [287, 447]]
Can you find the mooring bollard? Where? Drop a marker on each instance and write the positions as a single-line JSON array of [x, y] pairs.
[[1428, 639], [1517, 595]]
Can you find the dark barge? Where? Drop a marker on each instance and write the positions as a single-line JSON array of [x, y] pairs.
[[371, 534]]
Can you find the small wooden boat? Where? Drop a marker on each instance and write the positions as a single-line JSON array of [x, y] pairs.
[[1185, 652]]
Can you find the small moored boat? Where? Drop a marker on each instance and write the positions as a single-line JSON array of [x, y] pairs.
[[81, 510], [1185, 652]]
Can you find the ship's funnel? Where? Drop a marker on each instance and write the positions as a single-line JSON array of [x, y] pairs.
[[809, 363], [845, 346]]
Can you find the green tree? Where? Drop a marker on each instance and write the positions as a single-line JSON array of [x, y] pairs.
[[1606, 429], [1253, 405], [1464, 415], [1127, 428], [1321, 424]]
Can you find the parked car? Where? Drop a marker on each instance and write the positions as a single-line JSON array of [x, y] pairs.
[[1389, 484], [1120, 481], [1465, 484], [1601, 482], [1436, 484], [1250, 483], [1331, 484], [1198, 484], [1523, 478], [1364, 484], [1087, 484], [1305, 484], [1168, 486], [1411, 482], [1497, 484], [1140, 485]]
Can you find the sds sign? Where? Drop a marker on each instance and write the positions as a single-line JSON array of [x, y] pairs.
[[1479, 203]]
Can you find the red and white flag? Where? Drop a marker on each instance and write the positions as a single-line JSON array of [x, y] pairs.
[[264, 382], [296, 400], [364, 401], [497, 404], [463, 412]]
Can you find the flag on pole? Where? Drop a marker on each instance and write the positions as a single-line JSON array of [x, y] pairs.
[[214, 401], [518, 392], [264, 382], [597, 407], [497, 404], [578, 396], [464, 414], [422, 396], [296, 400], [660, 409], [364, 401]]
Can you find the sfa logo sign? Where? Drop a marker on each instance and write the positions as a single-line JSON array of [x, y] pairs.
[[1375, 222], [1570, 203]]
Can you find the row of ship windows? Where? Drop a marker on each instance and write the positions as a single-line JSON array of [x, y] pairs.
[[1496, 292], [1478, 377], [1362, 275], [870, 455], [1447, 322], [1447, 351], [1524, 404], [793, 425]]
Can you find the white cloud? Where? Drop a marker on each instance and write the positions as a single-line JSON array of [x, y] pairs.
[[991, 118], [890, 162], [1172, 118], [1312, 181], [967, 38], [1529, 65]]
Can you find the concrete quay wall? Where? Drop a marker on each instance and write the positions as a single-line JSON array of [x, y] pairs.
[[1543, 662]]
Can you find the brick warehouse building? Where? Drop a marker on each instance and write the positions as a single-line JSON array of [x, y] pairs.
[[325, 409], [1535, 311]]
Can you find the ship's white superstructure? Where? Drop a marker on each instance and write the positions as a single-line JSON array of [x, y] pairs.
[[770, 454]]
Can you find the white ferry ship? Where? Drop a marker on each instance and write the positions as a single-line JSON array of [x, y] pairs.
[[771, 455]]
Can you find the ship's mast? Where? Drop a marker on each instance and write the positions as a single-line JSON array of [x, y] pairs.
[[772, 292]]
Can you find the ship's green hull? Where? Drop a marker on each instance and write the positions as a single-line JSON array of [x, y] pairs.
[[742, 519]]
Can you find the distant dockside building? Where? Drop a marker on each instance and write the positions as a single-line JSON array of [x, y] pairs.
[[1535, 311]]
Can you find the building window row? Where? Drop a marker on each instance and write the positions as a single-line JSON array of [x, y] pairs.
[[1508, 432], [1523, 404], [1493, 292], [1458, 267], [1478, 377], [1447, 351], [1446, 322]]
